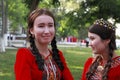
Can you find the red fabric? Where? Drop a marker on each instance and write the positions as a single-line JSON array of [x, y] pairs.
[[86, 67], [113, 74], [26, 68]]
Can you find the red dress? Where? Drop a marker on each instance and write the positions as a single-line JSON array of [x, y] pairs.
[[113, 74], [26, 67]]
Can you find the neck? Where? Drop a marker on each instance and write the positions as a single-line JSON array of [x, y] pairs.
[[44, 52], [106, 57], [43, 49]]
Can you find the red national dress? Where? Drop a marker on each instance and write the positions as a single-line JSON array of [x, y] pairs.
[[113, 74], [26, 68]]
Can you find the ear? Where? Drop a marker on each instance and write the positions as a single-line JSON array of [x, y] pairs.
[[107, 41], [31, 31]]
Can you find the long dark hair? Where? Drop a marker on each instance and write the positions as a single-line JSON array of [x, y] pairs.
[[33, 15], [106, 31]]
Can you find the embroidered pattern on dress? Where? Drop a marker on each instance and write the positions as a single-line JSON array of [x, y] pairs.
[[97, 76], [51, 69], [116, 62]]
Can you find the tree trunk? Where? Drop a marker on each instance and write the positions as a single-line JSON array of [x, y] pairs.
[[3, 27], [2, 45], [34, 5]]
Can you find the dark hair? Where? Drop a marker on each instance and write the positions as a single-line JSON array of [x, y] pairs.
[[33, 15], [105, 30]]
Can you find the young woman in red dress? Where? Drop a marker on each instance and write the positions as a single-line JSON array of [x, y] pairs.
[[39, 62], [105, 64]]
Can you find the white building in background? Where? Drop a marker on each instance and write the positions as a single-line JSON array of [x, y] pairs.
[[117, 25], [12, 39], [118, 34], [118, 29]]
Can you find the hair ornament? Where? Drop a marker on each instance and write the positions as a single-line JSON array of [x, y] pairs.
[[104, 23]]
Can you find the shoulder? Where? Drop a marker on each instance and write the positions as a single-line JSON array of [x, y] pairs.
[[24, 53], [23, 50], [87, 64], [116, 62], [88, 61], [60, 53], [116, 59]]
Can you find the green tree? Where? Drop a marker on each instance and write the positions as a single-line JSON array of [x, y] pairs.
[[90, 10], [33, 4], [65, 18], [95, 9], [16, 12]]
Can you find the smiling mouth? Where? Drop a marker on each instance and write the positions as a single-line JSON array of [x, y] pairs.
[[46, 37]]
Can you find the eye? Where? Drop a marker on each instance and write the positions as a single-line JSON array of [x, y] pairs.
[[50, 24], [91, 38], [41, 25]]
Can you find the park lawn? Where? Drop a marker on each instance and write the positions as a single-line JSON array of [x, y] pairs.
[[75, 57], [7, 60]]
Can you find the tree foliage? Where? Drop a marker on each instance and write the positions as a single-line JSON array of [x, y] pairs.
[[65, 19], [90, 10], [102, 9], [16, 13], [73, 18], [33, 4], [18, 10]]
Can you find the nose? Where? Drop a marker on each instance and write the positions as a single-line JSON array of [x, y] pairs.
[[46, 29], [90, 43]]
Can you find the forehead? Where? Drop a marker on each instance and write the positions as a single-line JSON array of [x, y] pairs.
[[43, 19], [92, 34]]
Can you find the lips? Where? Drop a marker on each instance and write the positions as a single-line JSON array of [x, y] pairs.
[[46, 37]]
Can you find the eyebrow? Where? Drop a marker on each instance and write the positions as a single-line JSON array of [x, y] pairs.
[[44, 23], [50, 23]]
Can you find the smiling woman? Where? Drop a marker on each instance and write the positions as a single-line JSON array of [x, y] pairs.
[[38, 62], [105, 62]]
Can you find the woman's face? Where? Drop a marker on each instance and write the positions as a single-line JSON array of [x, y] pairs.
[[43, 29], [98, 45]]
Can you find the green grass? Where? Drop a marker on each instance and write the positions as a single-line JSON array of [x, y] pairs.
[[75, 57], [7, 60]]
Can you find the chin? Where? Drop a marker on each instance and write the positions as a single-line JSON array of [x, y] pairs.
[[46, 42], [94, 52]]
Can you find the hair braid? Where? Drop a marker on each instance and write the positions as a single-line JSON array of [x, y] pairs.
[[106, 31], [38, 57], [56, 55], [107, 66], [93, 67]]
